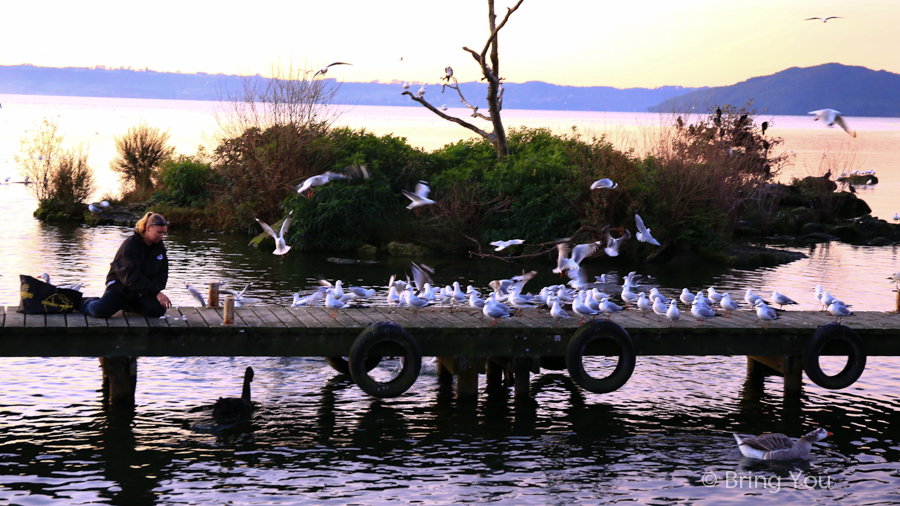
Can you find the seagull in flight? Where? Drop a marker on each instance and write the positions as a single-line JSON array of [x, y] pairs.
[[281, 248], [643, 233], [824, 20], [324, 70], [565, 261], [603, 183], [327, 177], [505, 244], [612, 244], [418, 198], [831, 117]]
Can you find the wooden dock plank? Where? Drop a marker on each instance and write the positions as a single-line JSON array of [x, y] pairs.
[[137, 322], [193, 318], [265, 314], [213, 318], [321, 315], [117, 322], [294, 324], [175, 319], [56, 320], [76, 322], [35, 322], [14, 319]]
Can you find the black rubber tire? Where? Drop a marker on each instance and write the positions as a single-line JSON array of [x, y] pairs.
[[340, 364], [586, 335], [373, 335], [856, 360]]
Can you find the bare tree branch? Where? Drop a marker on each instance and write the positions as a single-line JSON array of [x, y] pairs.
[[448, 117], [455, 86], [493, 38]]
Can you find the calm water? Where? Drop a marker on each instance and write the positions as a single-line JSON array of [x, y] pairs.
[[318, 439]]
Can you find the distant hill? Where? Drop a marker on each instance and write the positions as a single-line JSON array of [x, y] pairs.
[[855, 91], [128, 83]]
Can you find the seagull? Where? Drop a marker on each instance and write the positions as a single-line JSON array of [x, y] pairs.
[[557, 313], [672, 313], [781, 300], [310, 299], [94, 209], [713, 295], [839, 310], [751, 297], [494, 311], [195, 294], [448, 73], [580, 307], [644, 304], [104, 203], [643, 233], [321, 179], [603, 183], [505, 244], [578, 254], [687, 298], [728, 305], [609, 308], [406, 85], [613, 245], [895, 278], [830, 117], [824, 20], [701, 312], [421, 91], [659, 308], [324, 70], [778, 446], [444, 107], [281, 248], [765, 313], [332, 303], [418, 198]]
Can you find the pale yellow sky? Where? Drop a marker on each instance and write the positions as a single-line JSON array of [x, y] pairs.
[[639, 43]]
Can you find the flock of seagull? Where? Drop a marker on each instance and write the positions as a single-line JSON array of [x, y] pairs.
[[507, 299]]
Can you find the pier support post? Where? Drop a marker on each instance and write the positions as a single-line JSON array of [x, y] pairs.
[[522, 368], [493, 374], [119, 379], [793, 376], [467, 379], [444, 372]]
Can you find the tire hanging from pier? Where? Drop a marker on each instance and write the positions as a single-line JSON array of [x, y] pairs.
[[341, 365], [856, 358], [391, 334], [587, 335]]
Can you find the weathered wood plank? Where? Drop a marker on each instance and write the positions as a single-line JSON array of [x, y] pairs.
[[14, 319], [35, 321], [76, 322], [117, 322], [137, 322], [250, 318], [193, 318], [55, 320], [175, 319], [274, 323]]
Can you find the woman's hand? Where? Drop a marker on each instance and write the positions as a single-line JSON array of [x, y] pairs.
[[163, 300]]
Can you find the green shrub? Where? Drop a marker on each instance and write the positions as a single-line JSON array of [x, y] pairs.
[[184, 182]]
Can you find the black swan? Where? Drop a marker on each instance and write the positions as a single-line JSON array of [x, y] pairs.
[[230, 408]]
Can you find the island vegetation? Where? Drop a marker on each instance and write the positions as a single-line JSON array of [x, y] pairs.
[[704, 185]]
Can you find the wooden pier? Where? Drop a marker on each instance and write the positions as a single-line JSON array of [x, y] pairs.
[[464, 344]]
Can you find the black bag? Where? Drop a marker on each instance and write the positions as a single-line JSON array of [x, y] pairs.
[[38, 297]]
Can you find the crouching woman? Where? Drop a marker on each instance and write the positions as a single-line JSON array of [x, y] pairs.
[[137, 275]]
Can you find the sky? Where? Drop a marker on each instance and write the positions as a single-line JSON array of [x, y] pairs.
[[638, 43]]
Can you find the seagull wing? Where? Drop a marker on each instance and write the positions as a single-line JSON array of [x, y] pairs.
[[421, 275], [416, 199], [841, 123], [640, 224], [337, 63], [267, 228], [422, 189], [329, 176], [286, 224], [810, 19], [583, 251]]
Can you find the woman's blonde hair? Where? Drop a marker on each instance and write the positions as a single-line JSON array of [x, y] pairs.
[[148, 219]]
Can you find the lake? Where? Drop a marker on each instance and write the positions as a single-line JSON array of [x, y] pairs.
[[318, 439]]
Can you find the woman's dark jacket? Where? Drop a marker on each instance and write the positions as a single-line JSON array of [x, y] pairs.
[[138, 267]]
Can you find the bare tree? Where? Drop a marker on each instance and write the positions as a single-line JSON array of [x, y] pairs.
[[287, 97], [490, 69], [138, 153]]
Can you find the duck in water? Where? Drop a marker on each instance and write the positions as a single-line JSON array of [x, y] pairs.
[[235, 408]]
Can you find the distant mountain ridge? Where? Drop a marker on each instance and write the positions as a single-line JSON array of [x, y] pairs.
[[128, 83], [853, 90]]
